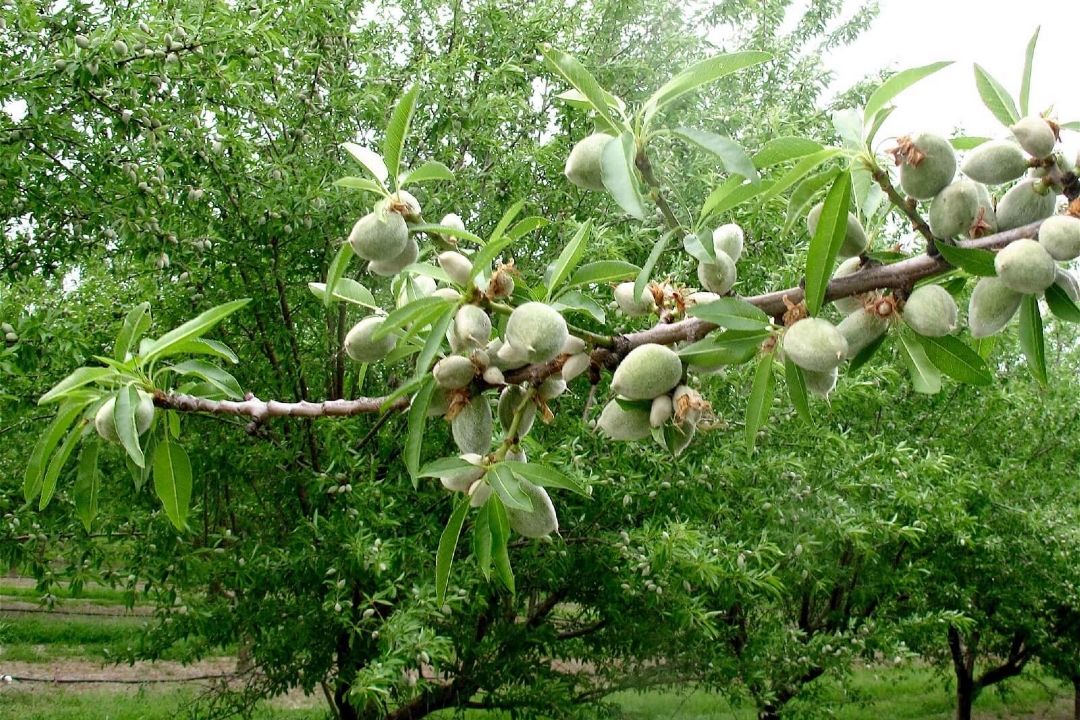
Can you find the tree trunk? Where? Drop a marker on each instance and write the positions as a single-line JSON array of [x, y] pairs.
[[1076, 697], [965, 697]]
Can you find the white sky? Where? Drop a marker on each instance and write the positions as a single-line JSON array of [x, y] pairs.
[[993, 33]]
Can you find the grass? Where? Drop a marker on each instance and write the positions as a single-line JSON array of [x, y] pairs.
[[99, 594], [63, 704]]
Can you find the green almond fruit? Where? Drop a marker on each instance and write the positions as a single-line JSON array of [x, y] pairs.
[[376, 237], [456, 266], [575, 365], [861, 328], [995, 162], [661, 411], [718, 277], [954, 209], [359, 345], [931, 311], [855, 241], [729, 239], [510, 399], [454, 372], [538, 523], [820, 383], [463, 479], [1060, 236], [1025, 267], [392, 267], [1035, 135], [815, 344], [619, 423], [848, 305], [472, 326], [934, 170], [1023, 204], [628, 305], [992, 305], [473, 426], [689, 405], [537, 331], [647, 372], [105, 424], [414, 288], [1067, 282], [583, 165]]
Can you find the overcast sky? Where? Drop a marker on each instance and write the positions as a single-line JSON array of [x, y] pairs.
[[993, 33]]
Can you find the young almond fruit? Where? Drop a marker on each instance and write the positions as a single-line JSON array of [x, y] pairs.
[[719, 276], [848, 305], [359, 345], [378, 238], [105, 424], [1025, 266], [454, 372], [995, 162], [647, 371], [861, 328], [510, 399], [1035, 135], [536, 330], [820, 384], [538, 523], [1024, 204], [931, 311], [927, 165], [619, 423], [575, 365], [661, 411], [954, 209], [472, 326], [583, 164], [992, 305], [472, 427], [395, 265], [1060, 236], [464, 478], [628, 305], [854, 235], [815, 344], [1067, 282], [729, 239], [457, 266]]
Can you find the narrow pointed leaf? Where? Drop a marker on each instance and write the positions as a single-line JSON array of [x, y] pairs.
[[443, 467], [43, 448], [801, 169], [603, 271], [796, 385], [500, 536], [782, 149], [1025, 82], [135, 324], [1031, 337], [896, 84], [56, 464], [730, 153], [925, 378], [82, 376], [732, 347], [482, 540], [569, 258], [620, 175], [406, 314], [730, 195], [444, 557], [127, 400], [428, 172], [995, 97], [195, 327], [706, 71], [172, 481], [337, 268], [1061, 304], [545, 476], [950, 355], [761, 399], [398, 130], [433, 343], [971, 260], [212, 374], [414, 439], [643, 277], [508, 487], [582, 80], [827, 240], [87, 484], [370, 161], [732, 313], [359, 183]]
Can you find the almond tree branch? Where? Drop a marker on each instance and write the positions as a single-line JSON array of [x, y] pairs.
[[895, 275]]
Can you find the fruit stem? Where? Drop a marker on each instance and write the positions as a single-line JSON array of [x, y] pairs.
[[881, 177], [511, 433], [644, 165]]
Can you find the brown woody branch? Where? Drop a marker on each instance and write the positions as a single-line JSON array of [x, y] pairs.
[[902, 274]]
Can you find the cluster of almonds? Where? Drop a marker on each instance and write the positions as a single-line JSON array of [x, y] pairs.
[[10, 336]]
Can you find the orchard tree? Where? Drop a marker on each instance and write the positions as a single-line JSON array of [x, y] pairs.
[[488, 329]]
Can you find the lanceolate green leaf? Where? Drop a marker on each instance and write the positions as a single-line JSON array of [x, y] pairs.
[[56, 464], [359, 183], [796, 385], [449, 231], [482, 539], [864, 355], [1025, 81], [172, 481], [406, 314], [620, 175], [397, 130], [995, 97], [345, 289], [414, 439], [603, 271], [925, 378], [370, 161], [545, 476], [87, 484], [500, 536], [730, 153], [212, 374], [732, 313], [642, 279], [195, 327], [127, 401], [706, 71], [569, 258], [1031, 337], [967, 142], [428, 172], [576, 74], [800, 170], [761, 399], [498, 241], [896, 84], [956, 359], [730, 195], [433, 342], [82, 376], [444, 557], [826, 242], [732, 347], [971, 260], [336, 270], [804, 194], [1061, 304], [508, 487], [443, 467], [35, 466], [782, 149], [135, 324]]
